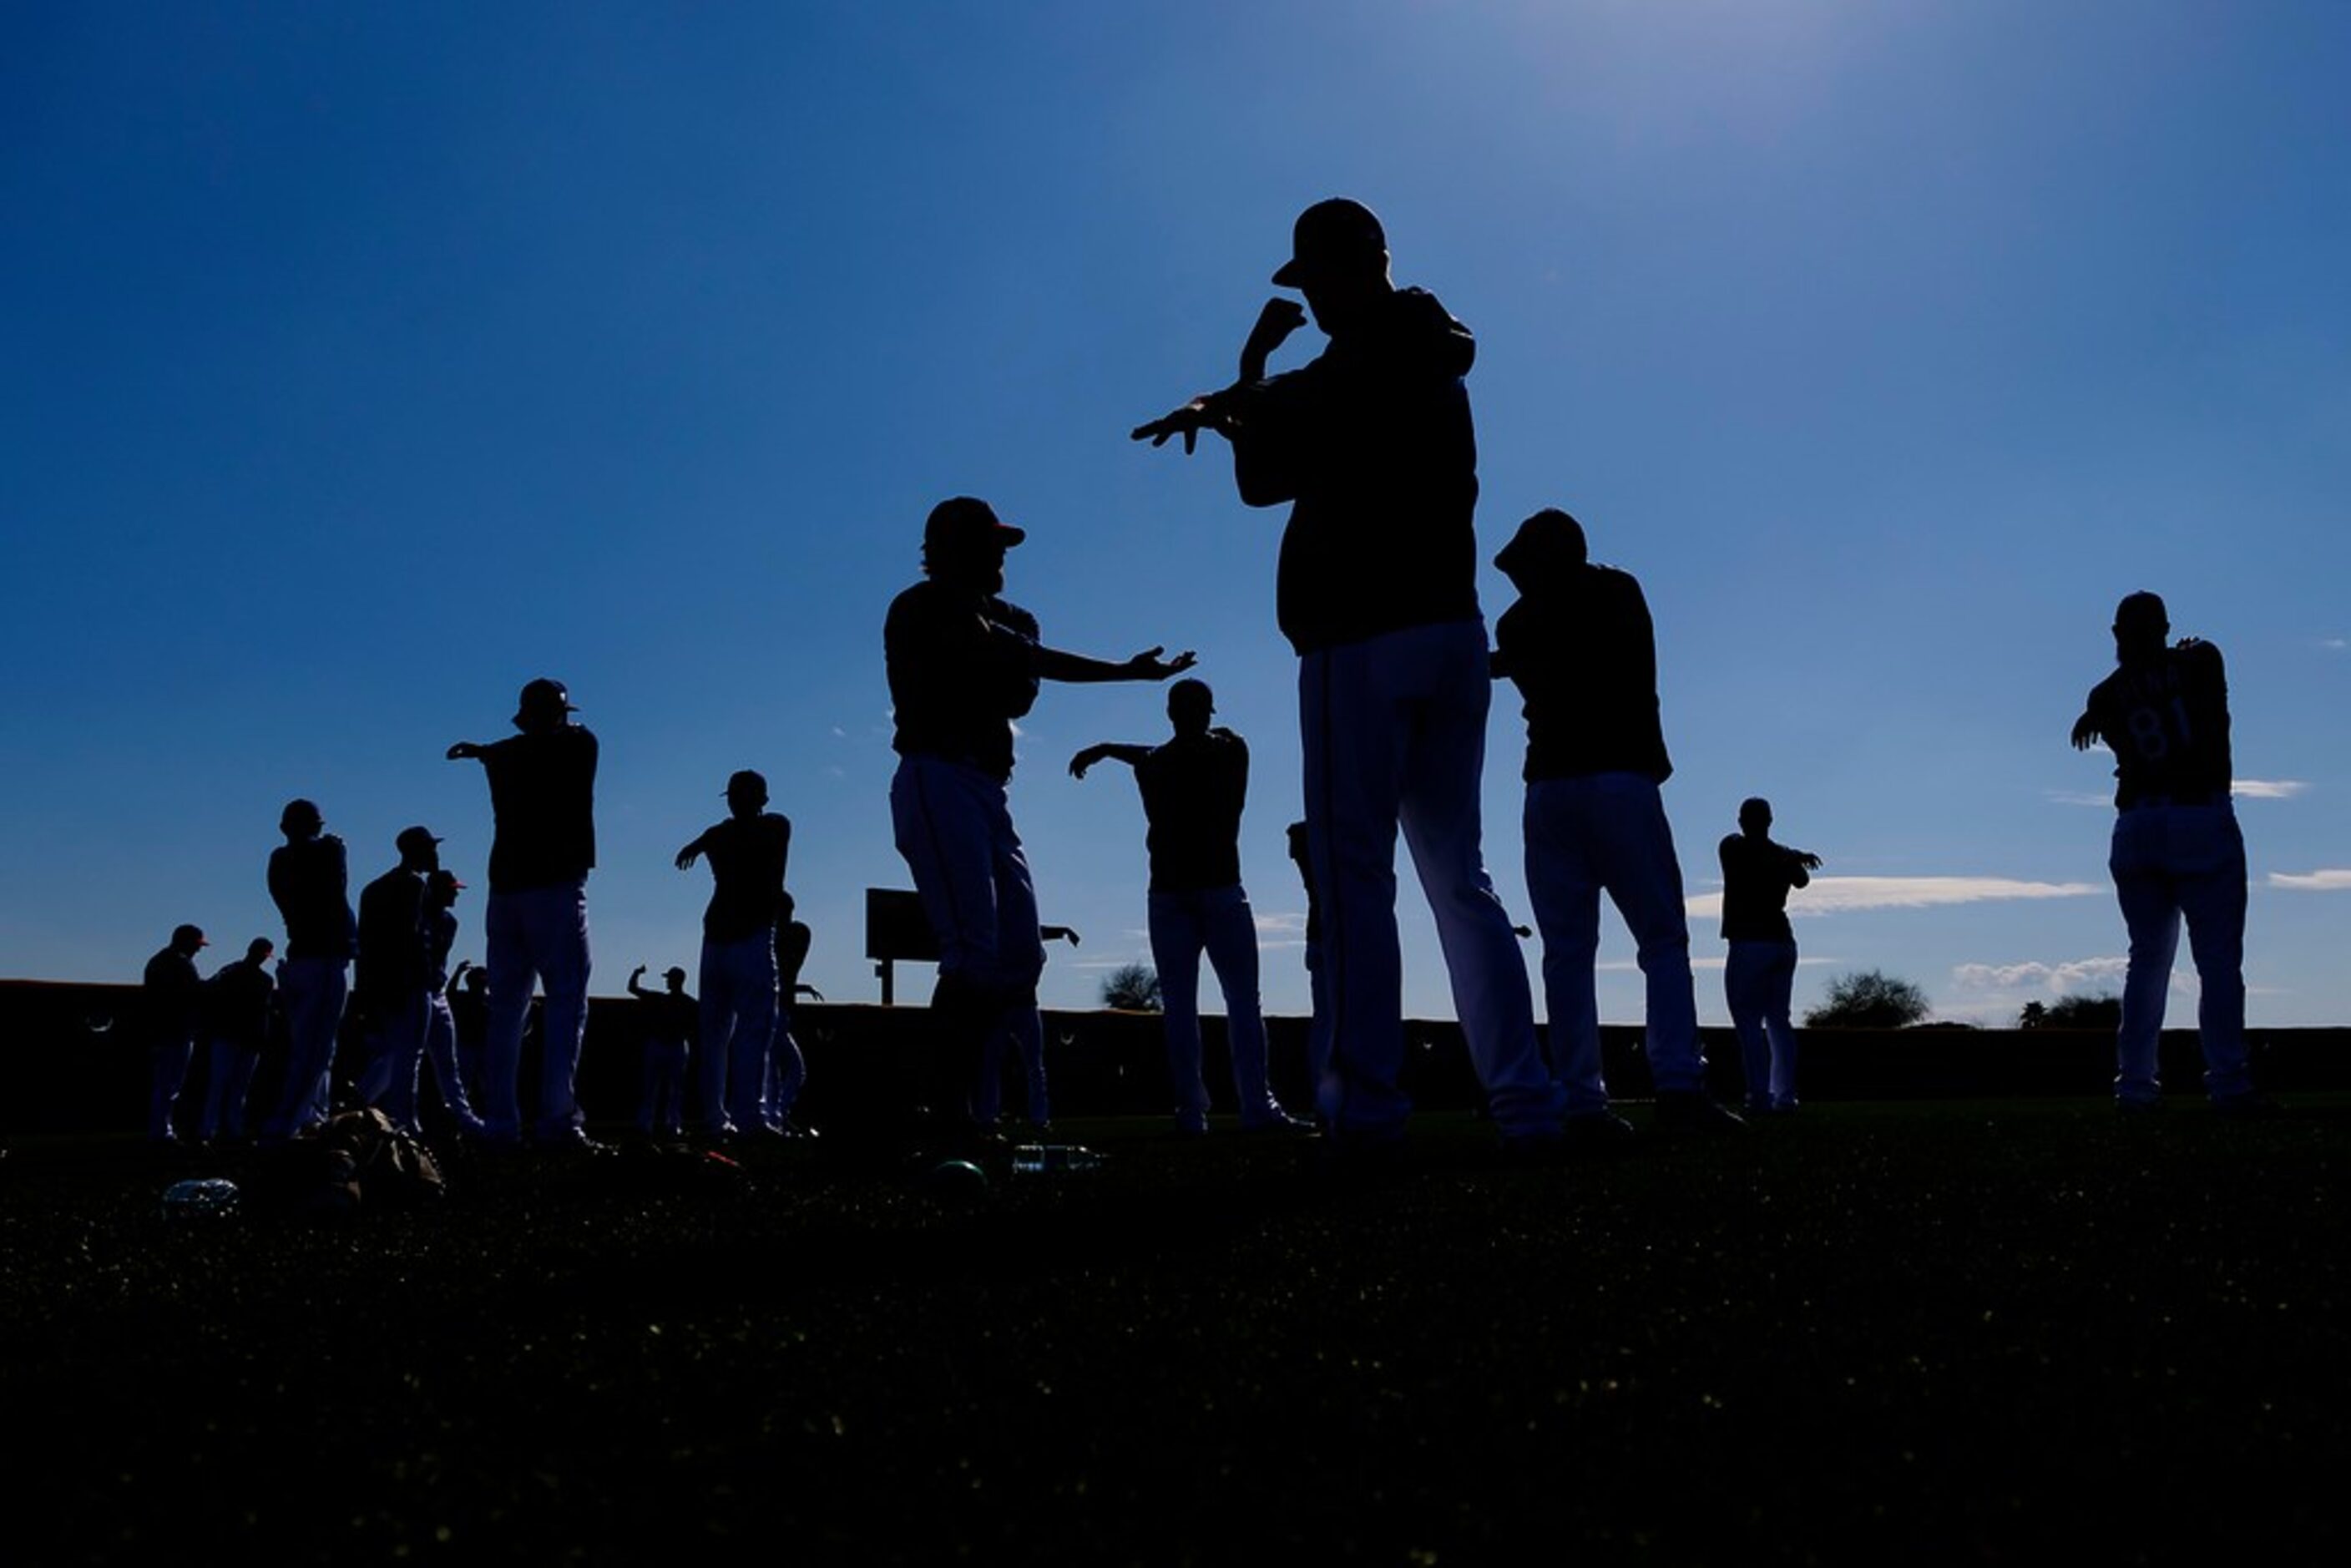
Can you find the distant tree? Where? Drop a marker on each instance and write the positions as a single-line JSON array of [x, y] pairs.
[[1132, 987], [2098, 1012], [2033, 1016], [1868, 999]]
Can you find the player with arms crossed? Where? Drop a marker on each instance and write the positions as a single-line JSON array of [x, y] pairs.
[[2177, 853]]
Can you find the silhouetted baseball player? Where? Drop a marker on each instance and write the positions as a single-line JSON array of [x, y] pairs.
[[2177, 853], [1372, 445], [238, 1001], [1194, 787], [543, 798], [394, 982], [669, 1031], [749, 852], [172, 995], [1579, 647], [787, 1068], [440, 890], [963, 664], [1760, 973], [310, 880], [1023, 1030]]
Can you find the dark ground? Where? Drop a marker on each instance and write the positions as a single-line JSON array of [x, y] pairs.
[[1971, 1332]]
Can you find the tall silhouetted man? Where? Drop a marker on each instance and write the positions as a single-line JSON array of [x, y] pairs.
[[1759, 975], [747, 854], [1194, 787], [238, 1001], [172, 994], [543, 798], [394, 981], [963, 664], [1581, 649], [2178, 851], [310, 880], [1371, 446]]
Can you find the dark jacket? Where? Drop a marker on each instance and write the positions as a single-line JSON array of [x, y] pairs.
[[1372, 444], [1581, 649]]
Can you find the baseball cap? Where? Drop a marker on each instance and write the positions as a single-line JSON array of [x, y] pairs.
[[543, 695], [412, 839], [184, 935], [967, 522], [747, 779], [2142, 608], [444, 878], [1330, 237], [1548, 537]]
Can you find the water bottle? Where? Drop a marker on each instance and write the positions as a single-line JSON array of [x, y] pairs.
[[207, 1197], [1054, 1159]]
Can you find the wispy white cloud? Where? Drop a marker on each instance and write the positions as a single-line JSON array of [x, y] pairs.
[[2335, 644], [2267, 788], [1632, 966], [1281, 924], [2102, 973], [2332, 880], [1840, 895], [2080, 797]]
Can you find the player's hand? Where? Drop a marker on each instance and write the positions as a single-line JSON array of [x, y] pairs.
[[1809, 861], [686, 857], [1084, 760], [634, 973], [463, 750], [1201, 414], [2086, 732], [1279, 317], [463, 965], [1148, 665]]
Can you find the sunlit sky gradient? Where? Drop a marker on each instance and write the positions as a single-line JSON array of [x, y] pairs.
[[364, 361]]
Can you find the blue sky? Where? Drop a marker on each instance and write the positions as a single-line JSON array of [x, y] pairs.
[[362, 362]]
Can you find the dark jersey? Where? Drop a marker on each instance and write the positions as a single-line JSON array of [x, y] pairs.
[[747, 874], [310, 884], [543, 796], [237, 1003], [1756, 876], [392, 963], [962, 668], [172, 993], [2166, 721], [1193, 790], [1372, 444], [1583, 654]]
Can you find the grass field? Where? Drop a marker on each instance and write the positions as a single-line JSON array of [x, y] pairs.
[[1955, 1332]]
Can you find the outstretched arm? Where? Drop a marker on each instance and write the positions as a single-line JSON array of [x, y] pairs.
[[455, 976], [1106, 751], [1058, 934], [1054, 664], [1214, 410], [636, 989], [804, 990], [692, 853], [2085, 731], [464, 751]]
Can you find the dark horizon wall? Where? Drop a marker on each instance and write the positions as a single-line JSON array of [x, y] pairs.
[[76, 1060]]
